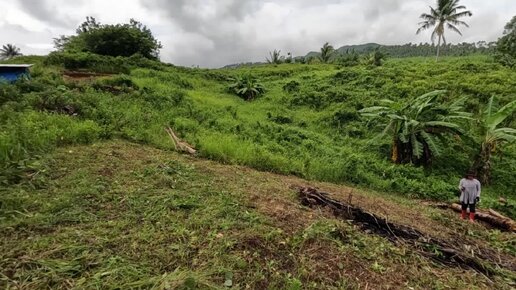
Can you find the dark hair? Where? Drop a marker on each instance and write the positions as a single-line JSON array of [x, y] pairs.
[[471, 173]]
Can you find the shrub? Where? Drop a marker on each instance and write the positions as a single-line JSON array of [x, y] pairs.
[[292, 86], [88, 61], [247, 87]]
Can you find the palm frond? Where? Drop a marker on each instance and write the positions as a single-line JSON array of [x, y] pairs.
[[372, 109], [442, 124], [495, 119], [461, 14], [432, 143], [417, 147]]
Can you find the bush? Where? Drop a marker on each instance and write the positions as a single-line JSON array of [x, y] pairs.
[[113, 40], [292, 86], [88, 61], [247, 87], [117, 84]]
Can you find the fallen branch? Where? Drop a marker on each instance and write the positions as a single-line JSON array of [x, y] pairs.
[[440, 250], [180, 145]]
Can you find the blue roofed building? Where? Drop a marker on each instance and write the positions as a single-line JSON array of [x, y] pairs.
[[14, 72]]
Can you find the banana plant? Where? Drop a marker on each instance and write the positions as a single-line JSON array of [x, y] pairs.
[[418, 126], [247, 87], [492, 136]]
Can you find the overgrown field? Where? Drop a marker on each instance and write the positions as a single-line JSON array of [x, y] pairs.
[[120, 215], [305, 124]]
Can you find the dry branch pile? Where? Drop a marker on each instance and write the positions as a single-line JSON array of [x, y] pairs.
[[443, 251]]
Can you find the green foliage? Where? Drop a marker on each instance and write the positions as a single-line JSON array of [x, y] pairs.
[[292, 86], [415, 125], [112, 40], [348, 59], [327, 52], [247, 87], [307, 124], [491, 136], [88, 61], [376, 57], [417, 49], [506, 46]]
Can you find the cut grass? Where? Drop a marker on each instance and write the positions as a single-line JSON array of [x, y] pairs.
[[126, 216]]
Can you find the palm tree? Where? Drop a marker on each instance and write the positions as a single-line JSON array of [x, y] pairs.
[[491, 137], [447, 14], [9, 51], [275, 57], [417, 126], [376, 57], [326, 52]]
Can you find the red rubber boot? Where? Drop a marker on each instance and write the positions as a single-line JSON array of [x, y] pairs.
[[471, 217], [463, 214]]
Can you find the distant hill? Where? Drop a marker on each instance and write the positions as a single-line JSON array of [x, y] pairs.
[[410, 49], [400, 50]]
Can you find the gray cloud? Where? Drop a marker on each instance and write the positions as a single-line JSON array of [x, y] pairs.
[[212, 33], [46, 11], [35, 42]]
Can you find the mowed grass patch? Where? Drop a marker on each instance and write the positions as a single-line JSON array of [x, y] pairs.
[[118, 215]]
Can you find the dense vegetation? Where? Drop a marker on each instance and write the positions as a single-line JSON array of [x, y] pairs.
[[506, 46], [306, 124]]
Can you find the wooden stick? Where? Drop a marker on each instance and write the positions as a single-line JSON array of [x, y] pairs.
[[180, 145]]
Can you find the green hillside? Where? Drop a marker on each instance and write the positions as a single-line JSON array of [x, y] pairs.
[[306, 124], [412, 50], [359, 48], [93, 197]]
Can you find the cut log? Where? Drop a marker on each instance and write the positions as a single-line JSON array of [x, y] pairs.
[[496, 220], [497, 214], [180, 145]]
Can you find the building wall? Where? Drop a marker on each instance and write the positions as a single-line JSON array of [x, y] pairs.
[[13, 74]]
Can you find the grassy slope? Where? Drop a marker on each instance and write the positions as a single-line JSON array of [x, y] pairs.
[[312, 130], [122, 215]]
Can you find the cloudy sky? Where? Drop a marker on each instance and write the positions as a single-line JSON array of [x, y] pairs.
[[212, 33]]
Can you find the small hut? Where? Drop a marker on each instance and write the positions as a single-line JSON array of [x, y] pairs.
[[14, 72]]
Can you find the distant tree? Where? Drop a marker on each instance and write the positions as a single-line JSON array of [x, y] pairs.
[[416, 126], [492, 136], [247, 87], [506, 45], [327, 52], [446, 14], [376, 57], [114, 40], [274, 57], [9, 51], [348, 59]]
